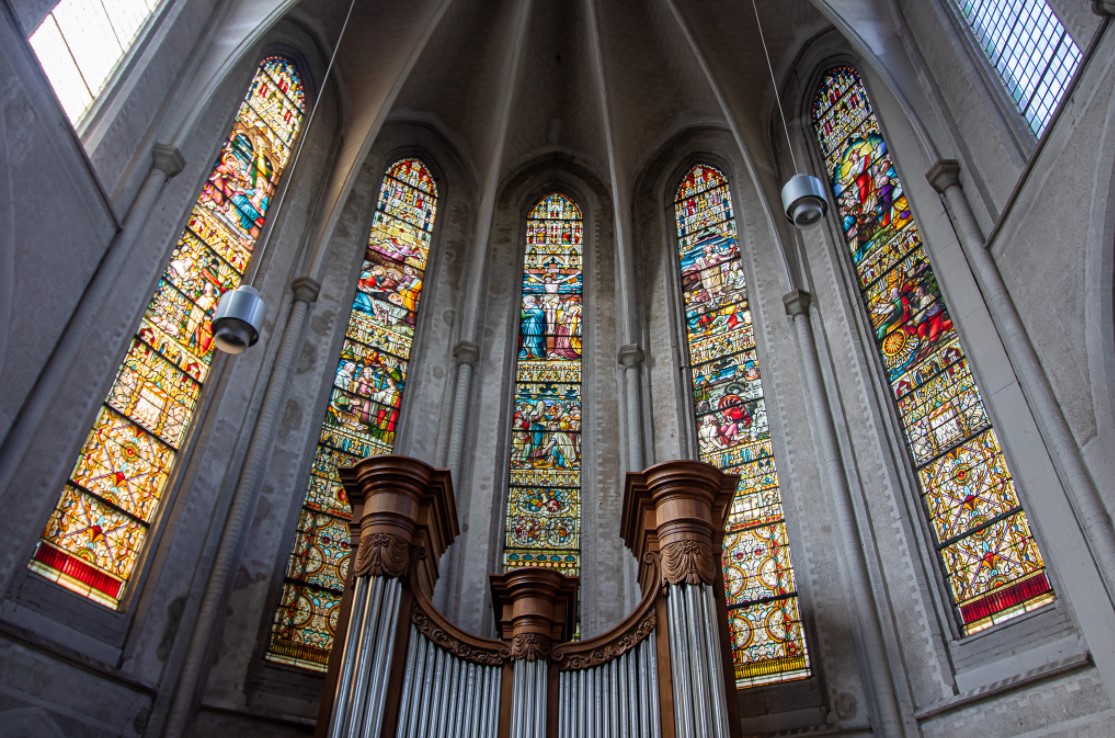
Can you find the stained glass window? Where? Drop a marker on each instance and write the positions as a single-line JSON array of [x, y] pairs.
[[95, 535], [1032, 52], [543, 526], [768, 645], [362, 414], [991, 561], [80, 44]]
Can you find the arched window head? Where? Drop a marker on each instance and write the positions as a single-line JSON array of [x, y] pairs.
[[1030, 50], [543, 525], [80, 44], [991, 562], [768, 645], [362, 414], [95, 536]]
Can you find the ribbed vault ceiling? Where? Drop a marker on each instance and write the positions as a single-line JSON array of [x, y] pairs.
[[582, 75]]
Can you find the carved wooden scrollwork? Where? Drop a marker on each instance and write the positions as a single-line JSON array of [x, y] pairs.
[[451, 643], [383, 555], [613, 650], [688, 562]]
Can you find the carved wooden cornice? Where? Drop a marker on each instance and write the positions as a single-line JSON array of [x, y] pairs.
[[450, 640], [399, 504], [677, 509], [635, 628], [536, 608]]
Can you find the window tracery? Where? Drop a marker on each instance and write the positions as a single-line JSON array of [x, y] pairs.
[[543, 524]]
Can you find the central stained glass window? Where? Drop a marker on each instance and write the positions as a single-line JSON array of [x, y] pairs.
[[543, 526], [768, 645], [993, 566], [362, 413], [93, 540]]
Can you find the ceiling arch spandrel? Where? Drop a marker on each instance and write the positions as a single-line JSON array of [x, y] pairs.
[[557, 105], [654, 83], [458, 80]]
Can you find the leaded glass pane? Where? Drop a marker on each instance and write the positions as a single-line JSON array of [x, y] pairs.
[[1032, 52], [768, 645], [94, 538], [543, 524], [992, 564], [363, 411], [80, 44]]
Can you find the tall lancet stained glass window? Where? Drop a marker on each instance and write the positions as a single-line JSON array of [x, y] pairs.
[[362, 413], [991, 561], [543, 526], [94, 538], [768, 645]]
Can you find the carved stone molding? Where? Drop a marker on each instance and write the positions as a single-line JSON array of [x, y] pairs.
[[688, 562], [382, 555], [449, 642], [531, 646]]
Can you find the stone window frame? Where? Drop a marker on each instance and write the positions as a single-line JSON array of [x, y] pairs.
[[963, 653], [106, 631]]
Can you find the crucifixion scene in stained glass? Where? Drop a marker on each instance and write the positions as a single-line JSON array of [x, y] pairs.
[[543, 524]]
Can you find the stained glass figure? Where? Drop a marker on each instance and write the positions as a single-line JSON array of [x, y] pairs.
[[768, 643], [992, 563], [1033, 54], [543, 526], [362, 411], [95, 536]]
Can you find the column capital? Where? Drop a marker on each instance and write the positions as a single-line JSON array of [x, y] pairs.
[[677, 509], [466, 352], [944, 174], [167, 159], [535, 608], [305, 289], [797, 302], [631, 355], [1103, 7], [401, 508]]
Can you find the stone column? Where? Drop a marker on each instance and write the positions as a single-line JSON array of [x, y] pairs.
[[166, 163], [466, 354], [631, 358], [1091, 513], [876, 671], [244, 499], [536, 608], [676, 511]]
